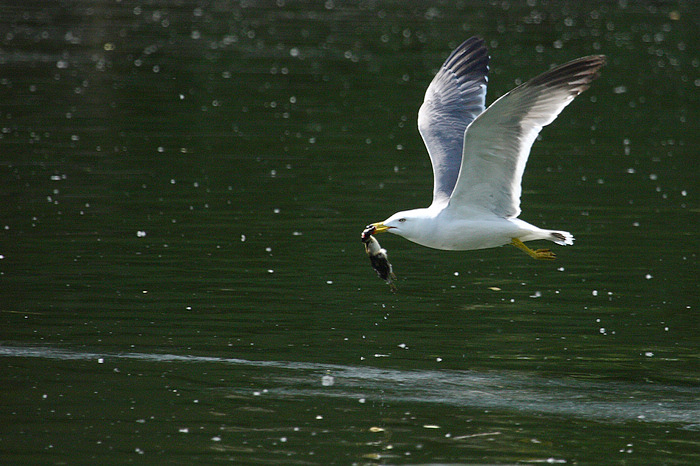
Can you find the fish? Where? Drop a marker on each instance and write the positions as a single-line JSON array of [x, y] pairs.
[[378, 257]]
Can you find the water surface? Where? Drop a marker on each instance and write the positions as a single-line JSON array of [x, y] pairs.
[[181, 276]]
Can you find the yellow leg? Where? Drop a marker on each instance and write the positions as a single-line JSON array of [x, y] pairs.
[[540, 254]]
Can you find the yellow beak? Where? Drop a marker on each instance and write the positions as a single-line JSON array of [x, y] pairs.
[[380, 227]]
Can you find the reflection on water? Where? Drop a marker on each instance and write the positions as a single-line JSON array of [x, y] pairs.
[[496, 390]]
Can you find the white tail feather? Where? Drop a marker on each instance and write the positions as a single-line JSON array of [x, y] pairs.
[[562, 238]]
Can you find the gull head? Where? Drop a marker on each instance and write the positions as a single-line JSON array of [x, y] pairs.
[[411, 224]]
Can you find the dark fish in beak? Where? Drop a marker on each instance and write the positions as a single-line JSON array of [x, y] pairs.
[[378, 258]]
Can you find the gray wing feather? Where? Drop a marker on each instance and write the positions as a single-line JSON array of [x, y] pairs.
[[455, 97], [497, 143]]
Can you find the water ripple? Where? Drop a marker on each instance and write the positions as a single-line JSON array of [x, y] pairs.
[[612, 401]]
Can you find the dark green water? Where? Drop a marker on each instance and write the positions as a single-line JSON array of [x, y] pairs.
[[181, 278]]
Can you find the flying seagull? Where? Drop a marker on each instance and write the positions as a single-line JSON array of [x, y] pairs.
[[479, 154]]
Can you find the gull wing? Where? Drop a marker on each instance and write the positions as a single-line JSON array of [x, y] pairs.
[[497, 143], [454, 98]]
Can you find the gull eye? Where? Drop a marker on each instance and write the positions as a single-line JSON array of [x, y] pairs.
[[401, 220]]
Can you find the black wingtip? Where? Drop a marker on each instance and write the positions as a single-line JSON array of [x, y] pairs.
[[470, 57], [576, 74]]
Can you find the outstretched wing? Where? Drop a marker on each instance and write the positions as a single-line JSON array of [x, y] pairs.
[[454, 98], [497, 143]]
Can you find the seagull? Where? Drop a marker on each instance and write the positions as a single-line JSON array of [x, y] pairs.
[[478, 154]]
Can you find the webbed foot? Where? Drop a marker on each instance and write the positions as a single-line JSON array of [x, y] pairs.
[[539, 254], [544, 254]]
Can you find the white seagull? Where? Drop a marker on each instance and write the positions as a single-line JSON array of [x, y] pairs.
[[479, 154]]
